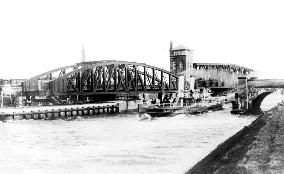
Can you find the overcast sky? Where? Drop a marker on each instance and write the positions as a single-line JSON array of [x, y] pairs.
[[37, 36]]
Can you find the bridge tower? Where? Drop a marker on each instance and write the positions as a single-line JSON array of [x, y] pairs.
[[181, 59]]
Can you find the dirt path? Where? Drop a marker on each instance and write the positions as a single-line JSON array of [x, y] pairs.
[[258, 148]]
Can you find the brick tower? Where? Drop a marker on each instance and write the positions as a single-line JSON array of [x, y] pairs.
[[180, 59]]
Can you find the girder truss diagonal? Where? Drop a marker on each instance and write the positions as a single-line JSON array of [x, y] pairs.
[[106, 77]]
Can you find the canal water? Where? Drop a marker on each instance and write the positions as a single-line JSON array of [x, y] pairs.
[[120, 144]]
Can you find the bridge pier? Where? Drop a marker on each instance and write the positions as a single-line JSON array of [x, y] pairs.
[[129, 105]]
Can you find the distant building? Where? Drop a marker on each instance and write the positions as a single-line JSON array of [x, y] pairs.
[[12, 82], [10, 89], [207, 75]]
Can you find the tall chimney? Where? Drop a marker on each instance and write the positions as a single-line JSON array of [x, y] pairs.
[[83, 56], [171, 46]]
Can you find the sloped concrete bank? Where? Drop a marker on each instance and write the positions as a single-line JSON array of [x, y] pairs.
[[258, 148]]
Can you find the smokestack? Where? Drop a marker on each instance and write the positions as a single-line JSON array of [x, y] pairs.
[[171, 46], [83, 56]]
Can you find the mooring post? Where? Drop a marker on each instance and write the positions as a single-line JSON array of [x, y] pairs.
[[107, 109], [117, 108], [52, 114], [2, 117], [94, 108], [86, 111], [46, 114], [65, 113], [59, 111], [38, 115], [68, 113], [78, 111], [24, 115], [91, 111], [72, 112], [99, 110], [82, 110]]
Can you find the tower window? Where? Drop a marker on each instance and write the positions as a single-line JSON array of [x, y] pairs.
[[180, 65], [174, 64]]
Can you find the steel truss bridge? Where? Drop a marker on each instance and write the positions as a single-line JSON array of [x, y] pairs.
[[101, 78]]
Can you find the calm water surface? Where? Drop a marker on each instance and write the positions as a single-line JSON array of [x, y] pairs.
[[120, 144]]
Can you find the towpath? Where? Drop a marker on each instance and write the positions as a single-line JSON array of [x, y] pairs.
[[258, 148]]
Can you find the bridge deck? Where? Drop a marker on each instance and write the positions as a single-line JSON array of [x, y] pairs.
[[267, 83]]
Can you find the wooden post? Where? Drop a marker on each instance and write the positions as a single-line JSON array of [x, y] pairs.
[[24, 115]]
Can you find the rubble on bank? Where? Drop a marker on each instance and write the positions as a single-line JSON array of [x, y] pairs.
[[258, 148]]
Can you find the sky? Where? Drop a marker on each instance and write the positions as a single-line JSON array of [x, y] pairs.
[[37, 36]]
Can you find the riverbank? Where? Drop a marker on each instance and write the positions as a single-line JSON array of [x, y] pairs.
[[258, 148]]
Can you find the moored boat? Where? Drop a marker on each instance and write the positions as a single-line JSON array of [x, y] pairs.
[[159, 111]]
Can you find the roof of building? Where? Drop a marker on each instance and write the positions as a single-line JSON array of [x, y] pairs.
[[181, 47], [222, 64]]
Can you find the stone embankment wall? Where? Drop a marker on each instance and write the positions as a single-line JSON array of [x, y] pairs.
[[57, 112], [258, 148]]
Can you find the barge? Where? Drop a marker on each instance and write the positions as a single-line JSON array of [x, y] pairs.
[[170, 111], [159, 110]]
